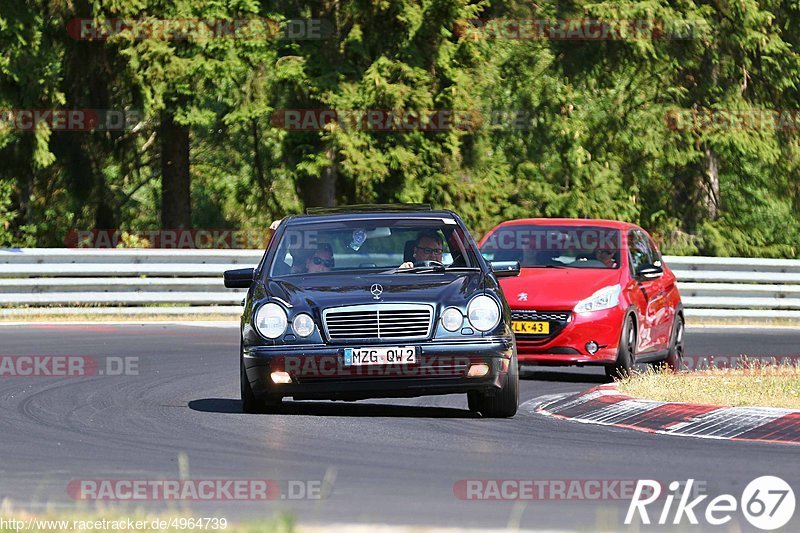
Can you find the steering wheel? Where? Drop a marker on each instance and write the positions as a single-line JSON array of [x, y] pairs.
[[429, 263]]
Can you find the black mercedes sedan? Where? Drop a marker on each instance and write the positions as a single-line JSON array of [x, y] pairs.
[[376, 301]]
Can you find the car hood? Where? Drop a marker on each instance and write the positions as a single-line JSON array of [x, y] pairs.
[[555, 288], [321, 291]]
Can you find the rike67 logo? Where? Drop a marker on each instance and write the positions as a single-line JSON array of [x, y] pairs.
[[767, 503]]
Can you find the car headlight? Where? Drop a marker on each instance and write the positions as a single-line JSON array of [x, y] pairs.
[[605, 298], [483, 313], [271, 320], [303, 325], [452, 319]]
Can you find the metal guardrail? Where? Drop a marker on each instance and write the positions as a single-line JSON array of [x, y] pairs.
[[146, 281], [734, 287], [120, 281]]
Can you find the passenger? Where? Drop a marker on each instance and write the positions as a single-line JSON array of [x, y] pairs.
[[429, 247]]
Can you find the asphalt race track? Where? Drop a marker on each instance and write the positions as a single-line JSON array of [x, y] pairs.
[[387, 461]]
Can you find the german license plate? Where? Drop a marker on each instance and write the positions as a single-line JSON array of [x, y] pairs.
[[382, 355], [528, 326]]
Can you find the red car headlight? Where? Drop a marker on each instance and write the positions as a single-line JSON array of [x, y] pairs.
[[605, 298]]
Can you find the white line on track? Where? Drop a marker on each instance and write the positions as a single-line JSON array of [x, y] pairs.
[[531, 405]]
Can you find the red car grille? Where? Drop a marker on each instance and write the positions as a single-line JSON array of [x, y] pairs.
[[558, 320]]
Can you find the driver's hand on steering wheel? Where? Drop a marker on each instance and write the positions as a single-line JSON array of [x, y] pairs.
[[407, 264]]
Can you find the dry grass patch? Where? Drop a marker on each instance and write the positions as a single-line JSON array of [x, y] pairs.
[[750, 384]]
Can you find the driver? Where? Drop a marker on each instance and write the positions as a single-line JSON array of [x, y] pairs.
[[429, 247], [606, 257]]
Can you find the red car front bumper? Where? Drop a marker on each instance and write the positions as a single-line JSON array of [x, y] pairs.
[[568, 346]]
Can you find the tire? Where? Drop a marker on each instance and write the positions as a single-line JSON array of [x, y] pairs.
[[674, 359], [251, 403], [504, 403], [626, 353], [473, 399]]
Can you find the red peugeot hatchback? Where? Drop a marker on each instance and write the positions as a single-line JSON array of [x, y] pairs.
[[591, 292]]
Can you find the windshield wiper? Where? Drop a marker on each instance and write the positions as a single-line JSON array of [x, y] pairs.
[[549, 266], [414, 270]]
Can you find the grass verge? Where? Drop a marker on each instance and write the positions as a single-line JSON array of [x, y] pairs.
[[751, 384]]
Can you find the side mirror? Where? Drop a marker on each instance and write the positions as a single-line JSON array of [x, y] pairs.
[[241, 278], [649, 271], [505, 269]]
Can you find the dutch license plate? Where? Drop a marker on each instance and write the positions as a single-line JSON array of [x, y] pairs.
[[530, 327], [383, 355]]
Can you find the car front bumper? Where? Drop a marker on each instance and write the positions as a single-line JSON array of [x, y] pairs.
[[318, 371], [568, 346]]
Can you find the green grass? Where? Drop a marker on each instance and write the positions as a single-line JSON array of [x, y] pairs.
[[750, 384]]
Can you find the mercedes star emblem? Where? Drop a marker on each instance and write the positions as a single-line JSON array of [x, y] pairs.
[[376, 291]]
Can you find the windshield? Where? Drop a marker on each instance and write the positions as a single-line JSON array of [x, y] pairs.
[[371, 245], [537, 246]]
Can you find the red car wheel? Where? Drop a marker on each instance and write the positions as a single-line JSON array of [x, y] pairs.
[[626, 353], [674, 359]]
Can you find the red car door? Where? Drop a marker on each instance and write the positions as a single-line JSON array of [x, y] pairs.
[[663, 310], [647, 294]]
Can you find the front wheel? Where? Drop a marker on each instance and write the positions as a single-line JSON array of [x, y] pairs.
[[250, 402], [504, 403], [473, 401], [626, 353], [674, 359]]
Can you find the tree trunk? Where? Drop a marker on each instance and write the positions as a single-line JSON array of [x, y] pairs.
[[176, 210], [329, 175], [709, 186], [23, 152], [320, 191]]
